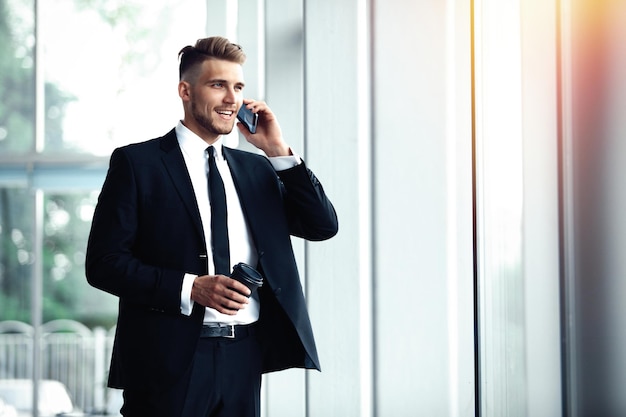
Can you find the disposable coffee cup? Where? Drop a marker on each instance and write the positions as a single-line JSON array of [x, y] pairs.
[[247, 275]]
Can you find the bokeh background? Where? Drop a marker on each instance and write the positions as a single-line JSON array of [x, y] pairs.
[[474, 150]]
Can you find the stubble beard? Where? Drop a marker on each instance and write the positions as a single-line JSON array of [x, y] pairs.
[[208, 124]]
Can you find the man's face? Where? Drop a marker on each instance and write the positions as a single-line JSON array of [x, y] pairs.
[[212, 101]]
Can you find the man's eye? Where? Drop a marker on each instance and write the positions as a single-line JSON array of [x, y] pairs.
[[217, 85]]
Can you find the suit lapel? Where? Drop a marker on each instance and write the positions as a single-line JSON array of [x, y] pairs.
[[175, 165], [243, 176]]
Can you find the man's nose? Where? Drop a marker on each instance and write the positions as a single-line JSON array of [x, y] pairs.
[[231, 96]]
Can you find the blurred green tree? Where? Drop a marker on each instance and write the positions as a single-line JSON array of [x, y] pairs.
[[66, 293]]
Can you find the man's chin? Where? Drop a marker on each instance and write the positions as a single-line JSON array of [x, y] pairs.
[[225, 130]]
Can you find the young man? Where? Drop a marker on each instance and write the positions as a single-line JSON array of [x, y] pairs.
[[190, 340]]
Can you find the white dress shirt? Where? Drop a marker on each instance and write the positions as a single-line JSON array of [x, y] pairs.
[[241, 245]]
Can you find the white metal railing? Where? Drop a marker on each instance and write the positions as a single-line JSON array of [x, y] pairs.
[[71, 353]]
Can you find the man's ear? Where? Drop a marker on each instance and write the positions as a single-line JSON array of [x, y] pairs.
[[184, 90]]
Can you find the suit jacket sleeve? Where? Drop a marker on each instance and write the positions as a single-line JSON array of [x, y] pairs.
[[310, 213]]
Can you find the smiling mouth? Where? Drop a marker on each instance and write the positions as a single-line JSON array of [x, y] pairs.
[[226, 114]]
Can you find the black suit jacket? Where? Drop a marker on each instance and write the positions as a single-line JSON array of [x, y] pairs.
[[147, 233]]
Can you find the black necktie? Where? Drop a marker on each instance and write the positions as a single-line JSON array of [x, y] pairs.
[[219, 227]]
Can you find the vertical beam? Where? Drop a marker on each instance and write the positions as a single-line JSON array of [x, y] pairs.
[[499, 207], [37, 293], [37, 283], [251, 36], [516, 131], [365, 203], [459, 220], [540, 228], [338, 143], [569, 373], [40, 109], [221, 18], [422, 209], [285, 392]]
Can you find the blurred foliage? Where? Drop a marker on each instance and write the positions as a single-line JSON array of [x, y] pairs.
[[66, 293], [17, 68], [17, 84], [15, 254]]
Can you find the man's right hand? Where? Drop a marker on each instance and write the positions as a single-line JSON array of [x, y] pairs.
[[220, 292]]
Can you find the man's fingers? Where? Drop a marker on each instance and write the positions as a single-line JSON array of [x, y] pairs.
[[234, 289], [225, 310], [220, 292]]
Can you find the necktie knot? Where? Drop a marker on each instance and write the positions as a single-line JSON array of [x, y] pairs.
[[211, 151]]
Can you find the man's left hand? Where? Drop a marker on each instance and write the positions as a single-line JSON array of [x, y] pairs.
[[268, 136]]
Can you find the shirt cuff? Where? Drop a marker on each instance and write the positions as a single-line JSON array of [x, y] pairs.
[[186, 303], [281, 163]]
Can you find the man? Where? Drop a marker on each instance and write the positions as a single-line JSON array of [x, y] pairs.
[[190, 341]]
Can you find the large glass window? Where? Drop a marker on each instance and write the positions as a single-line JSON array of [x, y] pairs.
[[111, 70], [16, 254], [17, 79], [67, 295], [77, 79]]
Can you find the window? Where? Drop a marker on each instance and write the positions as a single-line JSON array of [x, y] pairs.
[[78, 78]]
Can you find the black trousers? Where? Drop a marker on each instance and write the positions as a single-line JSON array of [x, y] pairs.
[[224, 380]]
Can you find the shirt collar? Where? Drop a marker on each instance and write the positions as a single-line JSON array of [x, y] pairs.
[[192, 144]]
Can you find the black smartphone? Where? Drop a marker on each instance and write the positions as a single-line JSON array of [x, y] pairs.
[[248, 118]]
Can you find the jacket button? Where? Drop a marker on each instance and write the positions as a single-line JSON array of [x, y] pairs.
[[277, 291]]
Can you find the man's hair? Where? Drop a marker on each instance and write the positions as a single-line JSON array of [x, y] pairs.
[[216, 47]]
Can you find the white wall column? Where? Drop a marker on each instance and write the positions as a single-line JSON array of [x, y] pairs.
[[517, 208], [422, 173], [338, 146], [540, 208], [285, 391]]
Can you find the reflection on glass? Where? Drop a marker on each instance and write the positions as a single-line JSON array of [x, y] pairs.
[[17, 82], [66, 292], [16, 254], [111, 70], [110, 78]]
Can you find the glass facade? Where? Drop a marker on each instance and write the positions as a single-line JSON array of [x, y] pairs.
[[16, 254], [67, 295], [17, 77], [78, 78], [515, 118], [101, 77], [106, 65]]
